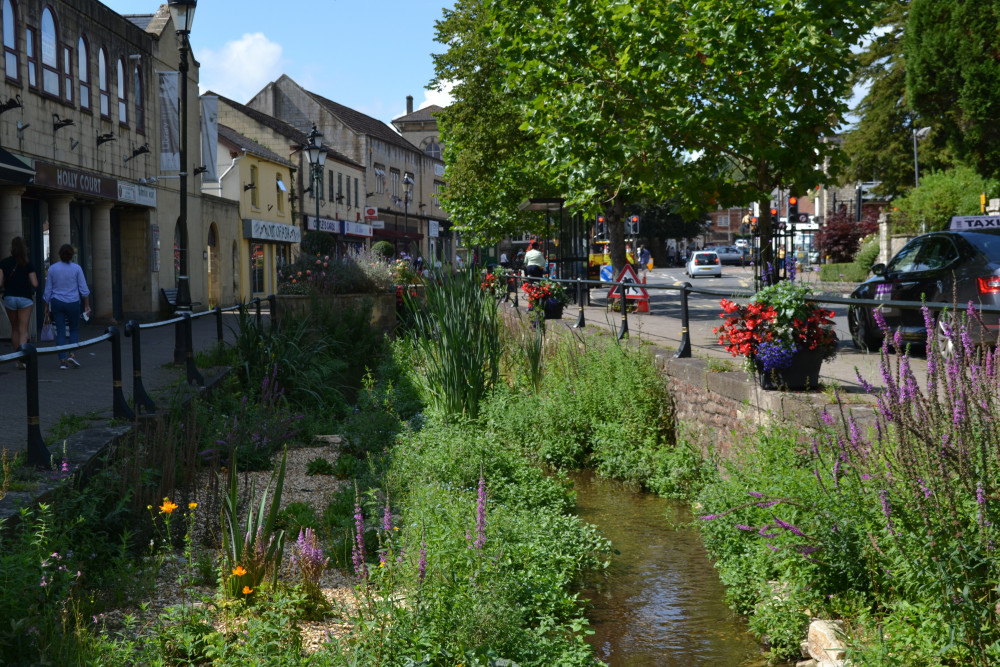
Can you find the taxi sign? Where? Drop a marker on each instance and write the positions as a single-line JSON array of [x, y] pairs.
[[972, 222], [633, 289]]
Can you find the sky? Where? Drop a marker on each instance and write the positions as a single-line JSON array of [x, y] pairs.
[[367, 56]]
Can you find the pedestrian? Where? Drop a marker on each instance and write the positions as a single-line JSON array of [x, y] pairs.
[[671, 256], [519, 260], [534, 262], [644, 258], [504, 262], [65, 286], [19, 280]]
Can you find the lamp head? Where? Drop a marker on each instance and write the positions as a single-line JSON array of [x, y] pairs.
[[182, 13]]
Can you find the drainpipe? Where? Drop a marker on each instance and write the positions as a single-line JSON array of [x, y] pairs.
[[229, 169]]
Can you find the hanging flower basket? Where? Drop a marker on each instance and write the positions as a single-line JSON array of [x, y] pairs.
[[802, 373], [553, 309]]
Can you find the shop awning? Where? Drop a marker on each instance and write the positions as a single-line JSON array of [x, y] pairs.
[[395, 234], [14, 169]]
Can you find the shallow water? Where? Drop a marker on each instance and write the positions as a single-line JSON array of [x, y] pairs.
[[661, 601]]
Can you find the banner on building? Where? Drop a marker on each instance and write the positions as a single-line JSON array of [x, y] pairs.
[[209, 137], [170, 122]]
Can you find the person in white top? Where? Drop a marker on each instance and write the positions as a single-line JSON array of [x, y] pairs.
[[504, 262], [534, 261]]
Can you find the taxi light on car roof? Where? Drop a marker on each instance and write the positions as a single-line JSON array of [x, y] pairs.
[[989, 285]]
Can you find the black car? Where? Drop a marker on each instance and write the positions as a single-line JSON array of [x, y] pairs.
[[941, 266]]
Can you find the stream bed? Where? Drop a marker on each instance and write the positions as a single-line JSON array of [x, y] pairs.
[[660, 602]]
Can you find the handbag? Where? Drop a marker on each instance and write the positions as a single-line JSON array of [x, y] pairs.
[[48, 333]]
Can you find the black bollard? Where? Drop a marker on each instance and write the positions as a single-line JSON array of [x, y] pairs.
[[139, 395], [271, 304], [121, 410], [624, 329], [218, 323], [256, 302], [38, 454], [684, 351], [193, 376], [580, 321]]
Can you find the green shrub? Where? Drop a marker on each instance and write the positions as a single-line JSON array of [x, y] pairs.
[[295, 517], [319, 466], [842, 273], [868, 253], [318, 243], [383, 249]]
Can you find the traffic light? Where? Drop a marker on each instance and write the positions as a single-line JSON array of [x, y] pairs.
[[982, 203], [753, 225], [601, 227], [774, 218], [632, 225], [793, 209]]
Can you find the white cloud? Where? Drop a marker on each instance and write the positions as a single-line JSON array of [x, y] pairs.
[[241, 68], [441, 97]]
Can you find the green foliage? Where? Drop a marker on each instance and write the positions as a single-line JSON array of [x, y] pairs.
[[842, 273], [457, 332], [359, 272], [319, 466], [297, 516], [840, 236], [868, 253], [940, 195], [318, 243], [383, 249]]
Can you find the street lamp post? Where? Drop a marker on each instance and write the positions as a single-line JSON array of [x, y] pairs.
[[917, 134], [316, 154], [182, 14], [407, 182]]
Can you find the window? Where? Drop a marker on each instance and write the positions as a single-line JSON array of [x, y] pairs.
[[122, 93], [140, 115], [103, 84], [50, 54], [331, 187], [281, 194], [357, 202], [10, 40], [433, 149], [68, 73], [340, 187], [379, 179], [349, 191], [30, 41], [394, 182], [254, 199], [438, 185], [83, 62]]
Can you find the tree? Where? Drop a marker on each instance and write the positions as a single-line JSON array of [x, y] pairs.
[[953, 75], [880, 147], [840, 236], [940, 195]]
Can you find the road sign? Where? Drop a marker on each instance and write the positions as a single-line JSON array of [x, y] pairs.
[[606, 273], [633, 289]]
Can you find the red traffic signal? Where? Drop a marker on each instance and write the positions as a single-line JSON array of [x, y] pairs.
[[793, 201]]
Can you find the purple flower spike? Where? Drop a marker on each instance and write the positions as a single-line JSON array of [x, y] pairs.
[[422, 564], [358, 552], [481, 514], [387, 517], [789, 527]]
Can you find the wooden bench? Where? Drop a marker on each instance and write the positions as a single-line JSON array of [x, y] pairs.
[[169, 295]]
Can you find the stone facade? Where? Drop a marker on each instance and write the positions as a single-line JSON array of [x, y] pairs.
[[90, 139]]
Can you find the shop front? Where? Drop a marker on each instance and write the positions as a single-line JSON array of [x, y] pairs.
[[266, 247]]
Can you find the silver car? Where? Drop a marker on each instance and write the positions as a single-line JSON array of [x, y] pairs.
[[729, 254], [704, 263]]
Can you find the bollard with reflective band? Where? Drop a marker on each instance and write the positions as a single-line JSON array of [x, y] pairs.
[[684, 350], [580, 322], [624, 329], [38, 454], [193, 376], [121, 409], [139, 396]]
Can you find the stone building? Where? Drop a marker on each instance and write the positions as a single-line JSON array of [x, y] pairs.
[[400, 181], [83, 150]]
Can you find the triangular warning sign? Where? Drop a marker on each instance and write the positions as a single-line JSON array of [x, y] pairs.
[[633, 288]]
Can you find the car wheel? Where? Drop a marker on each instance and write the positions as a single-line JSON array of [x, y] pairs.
[[861, 335]]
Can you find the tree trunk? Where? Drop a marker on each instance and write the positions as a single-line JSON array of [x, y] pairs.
[[615, 213], [767, 271]]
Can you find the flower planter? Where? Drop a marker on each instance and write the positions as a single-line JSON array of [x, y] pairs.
[[803, 373], [295, 305], [553, 309]]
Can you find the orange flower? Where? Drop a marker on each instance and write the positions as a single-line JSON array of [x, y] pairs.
[[247, 590], [191, 506], [239, 571], [167, 507]]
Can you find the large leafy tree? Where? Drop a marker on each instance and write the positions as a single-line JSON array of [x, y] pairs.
[[953, 75], [880, 146]]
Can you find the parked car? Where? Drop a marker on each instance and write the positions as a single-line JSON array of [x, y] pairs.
[[704, 263], [730, 254], [959, 266]]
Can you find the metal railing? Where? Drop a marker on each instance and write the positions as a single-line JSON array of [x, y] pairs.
[[37, 453], [686, 289]]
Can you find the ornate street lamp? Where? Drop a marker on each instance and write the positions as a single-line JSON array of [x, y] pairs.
[[407, 194], [182, 14], [316, 154]]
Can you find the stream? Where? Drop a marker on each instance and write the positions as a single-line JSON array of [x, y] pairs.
[[660, 602]]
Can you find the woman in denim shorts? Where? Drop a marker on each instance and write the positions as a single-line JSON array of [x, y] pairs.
[[19, 280]]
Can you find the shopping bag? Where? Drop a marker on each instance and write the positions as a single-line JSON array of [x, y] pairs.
[[48, 333]]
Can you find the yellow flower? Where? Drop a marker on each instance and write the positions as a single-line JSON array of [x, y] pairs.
[[167, 507], [239, 571], [382, 564], [395, 527], [191, 506], [247, 590]]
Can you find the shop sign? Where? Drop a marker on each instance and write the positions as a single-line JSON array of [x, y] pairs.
[[432, 228], [378, 224], [75, 180], [322, 224], [271, 231], [371, 212], [357, 229], [136, 194]]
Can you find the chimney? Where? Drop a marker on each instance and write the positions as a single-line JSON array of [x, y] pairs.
[[409, 104]]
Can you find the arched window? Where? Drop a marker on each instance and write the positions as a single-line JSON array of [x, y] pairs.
[[122, 93], [433, 149], [67, 71], [140, 116], [103, 84], [83, 61], [50, 54], [10, 41]]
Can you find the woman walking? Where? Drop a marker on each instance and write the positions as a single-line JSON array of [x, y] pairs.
[[19, 280], [64, 288]]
